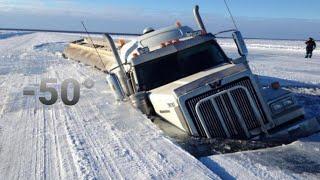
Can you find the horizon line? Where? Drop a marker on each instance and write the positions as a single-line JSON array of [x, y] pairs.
[[131, 34]]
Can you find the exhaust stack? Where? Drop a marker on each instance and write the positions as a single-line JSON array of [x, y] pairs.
[[115, 53], [123, 78], [198, 18]]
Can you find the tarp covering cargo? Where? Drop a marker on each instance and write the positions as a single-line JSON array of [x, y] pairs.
[[85, 51]]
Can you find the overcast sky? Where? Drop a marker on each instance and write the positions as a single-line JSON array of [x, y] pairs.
[[287, 19]]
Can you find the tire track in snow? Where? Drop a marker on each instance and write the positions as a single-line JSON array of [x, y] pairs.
[[103, 159], [82, 159], [28, 114], [0, 138], [116, 145], [62, 139], [63, 160], [5, 93], [86, 165], [36, 136], [45, 147], [14, 106], [126, 153], [42, 163], [57, 145]]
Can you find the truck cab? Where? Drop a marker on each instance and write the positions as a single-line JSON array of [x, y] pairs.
[[190, 82]]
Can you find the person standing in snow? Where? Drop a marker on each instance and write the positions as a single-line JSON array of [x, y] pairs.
[[311, 45]]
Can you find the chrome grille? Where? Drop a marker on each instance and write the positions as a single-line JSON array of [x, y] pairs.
[[230, 111]]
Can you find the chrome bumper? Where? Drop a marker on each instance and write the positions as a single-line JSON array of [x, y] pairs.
[[300, 129]]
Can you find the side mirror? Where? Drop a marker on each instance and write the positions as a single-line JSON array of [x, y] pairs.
[[241, 45]]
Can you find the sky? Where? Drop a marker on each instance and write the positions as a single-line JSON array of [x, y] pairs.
[[277, 19]]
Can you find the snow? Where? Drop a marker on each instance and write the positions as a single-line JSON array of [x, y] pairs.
[[280, 59], [299, 160], [90, 140], [100, 139]]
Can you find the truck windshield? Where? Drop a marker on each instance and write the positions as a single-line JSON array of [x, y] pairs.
[[166, 69]]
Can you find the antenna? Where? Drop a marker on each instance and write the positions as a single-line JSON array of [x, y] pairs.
[[231, 16], [94, 47]]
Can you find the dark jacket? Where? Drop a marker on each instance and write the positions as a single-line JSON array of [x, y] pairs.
[[311, 44]]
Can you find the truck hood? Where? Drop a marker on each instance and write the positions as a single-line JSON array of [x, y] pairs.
[[189, 83]]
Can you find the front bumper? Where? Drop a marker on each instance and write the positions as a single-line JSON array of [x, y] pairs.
[[299, 129], [288, 116]]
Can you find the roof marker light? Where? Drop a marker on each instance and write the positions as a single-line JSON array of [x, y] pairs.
[[275, 85], [175, 41], [168, 43], [163, 45], [134, 55], [121, 42]]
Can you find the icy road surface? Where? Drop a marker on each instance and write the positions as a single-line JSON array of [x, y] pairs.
[[94, 139], [98, 139]]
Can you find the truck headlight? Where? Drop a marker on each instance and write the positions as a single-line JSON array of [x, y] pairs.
[[288, 102], [282, 105], [277, 107]]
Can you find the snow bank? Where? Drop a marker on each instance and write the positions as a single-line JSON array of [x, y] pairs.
[[299, 160]]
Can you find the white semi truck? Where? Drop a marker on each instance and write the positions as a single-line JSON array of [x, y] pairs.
[[184, 77]]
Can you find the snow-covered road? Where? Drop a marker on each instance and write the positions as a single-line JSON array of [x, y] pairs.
[[99, 139], [94, 139]]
